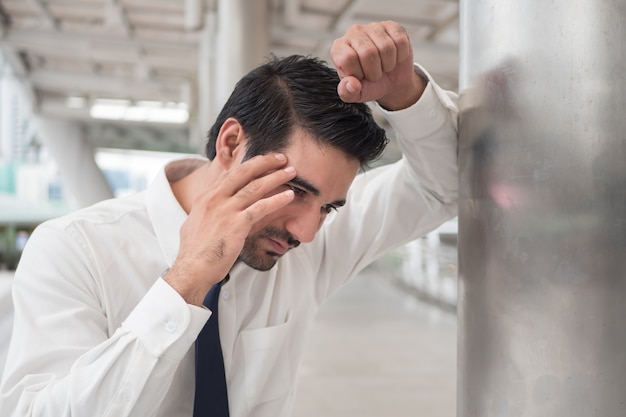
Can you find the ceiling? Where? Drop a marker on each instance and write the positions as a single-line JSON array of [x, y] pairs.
[[71, 53]]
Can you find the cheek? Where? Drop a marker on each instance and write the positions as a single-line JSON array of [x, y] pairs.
[[273, 219]]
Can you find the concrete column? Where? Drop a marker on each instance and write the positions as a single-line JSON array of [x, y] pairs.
[[75, 159], [206, 111], [242, 43], [542, 223]]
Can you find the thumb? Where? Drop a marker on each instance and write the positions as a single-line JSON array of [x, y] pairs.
[[349, 90]]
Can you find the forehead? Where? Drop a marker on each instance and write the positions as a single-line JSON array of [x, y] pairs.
[[326, 167]]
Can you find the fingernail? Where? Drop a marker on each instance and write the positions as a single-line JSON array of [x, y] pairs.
[[290, 170], [349, 87], [280, 156]]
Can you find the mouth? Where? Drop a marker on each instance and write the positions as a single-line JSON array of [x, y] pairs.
[[278, 247]]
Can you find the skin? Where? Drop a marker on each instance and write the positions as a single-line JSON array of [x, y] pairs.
[[323, 177], [375, 63], [257, 210]]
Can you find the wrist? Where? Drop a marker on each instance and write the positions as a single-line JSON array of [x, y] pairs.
[[406, 95], [191, 285]]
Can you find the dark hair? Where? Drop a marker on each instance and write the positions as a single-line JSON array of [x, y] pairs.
[[274, 98]]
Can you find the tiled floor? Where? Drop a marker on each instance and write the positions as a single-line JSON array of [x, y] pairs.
[[376, 351]]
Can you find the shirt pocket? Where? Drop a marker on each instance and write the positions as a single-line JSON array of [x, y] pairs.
[[267, 366]]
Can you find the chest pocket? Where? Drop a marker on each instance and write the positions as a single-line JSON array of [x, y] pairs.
[[267, 363]]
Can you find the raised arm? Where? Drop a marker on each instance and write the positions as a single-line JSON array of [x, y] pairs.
[[393, 204]]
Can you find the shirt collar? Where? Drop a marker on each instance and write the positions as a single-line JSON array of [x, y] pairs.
[[165, 212]]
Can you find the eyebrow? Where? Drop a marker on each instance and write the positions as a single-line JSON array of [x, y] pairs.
[[301, 182]]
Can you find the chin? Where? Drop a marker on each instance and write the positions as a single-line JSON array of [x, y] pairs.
[[260, 263]]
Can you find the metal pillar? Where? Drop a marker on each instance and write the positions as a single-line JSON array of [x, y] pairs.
[[542, 224], [75, 160]]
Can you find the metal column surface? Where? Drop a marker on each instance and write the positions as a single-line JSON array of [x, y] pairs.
[[542, 223]]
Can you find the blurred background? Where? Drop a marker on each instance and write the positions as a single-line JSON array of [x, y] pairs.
[[96, 95]]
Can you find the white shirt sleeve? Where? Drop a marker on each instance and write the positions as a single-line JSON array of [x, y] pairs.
[[63, 361], [394, 204]]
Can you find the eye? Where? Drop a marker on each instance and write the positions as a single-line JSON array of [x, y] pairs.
[[328, 208], [298, 192]]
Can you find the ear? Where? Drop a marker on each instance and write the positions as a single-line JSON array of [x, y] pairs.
[[230, 146]]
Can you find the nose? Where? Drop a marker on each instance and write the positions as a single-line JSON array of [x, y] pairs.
[[305, 223]]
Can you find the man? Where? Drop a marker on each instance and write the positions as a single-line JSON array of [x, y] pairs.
[[108, 301]]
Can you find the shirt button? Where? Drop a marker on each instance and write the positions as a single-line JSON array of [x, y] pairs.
[[125, 396], [432, 114], [170, 327], [225, 295]]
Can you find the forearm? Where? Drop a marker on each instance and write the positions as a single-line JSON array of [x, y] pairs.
[[427, 135]]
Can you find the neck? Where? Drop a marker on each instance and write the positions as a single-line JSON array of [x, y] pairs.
[[187, 187]]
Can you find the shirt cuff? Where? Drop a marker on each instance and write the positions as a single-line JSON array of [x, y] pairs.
[[164, 323]]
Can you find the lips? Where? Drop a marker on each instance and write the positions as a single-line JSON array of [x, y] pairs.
[[278, 247]]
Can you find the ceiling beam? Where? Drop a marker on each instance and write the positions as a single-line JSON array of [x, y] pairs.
[[103, 86], [280, 32], [44, 13], [157, 55], [34, 36], [80, 49], [292, 13]]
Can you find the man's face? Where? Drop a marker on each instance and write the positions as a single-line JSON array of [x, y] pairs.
[[324, 174]]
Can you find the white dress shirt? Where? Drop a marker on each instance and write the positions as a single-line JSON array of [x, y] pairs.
[[98, 332]]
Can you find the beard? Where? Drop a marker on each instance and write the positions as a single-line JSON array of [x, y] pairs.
[[253, 255]]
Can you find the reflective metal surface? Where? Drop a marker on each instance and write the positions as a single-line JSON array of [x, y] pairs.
[[542, 224]]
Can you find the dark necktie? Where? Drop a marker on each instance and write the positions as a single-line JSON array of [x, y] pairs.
[[211, 396]]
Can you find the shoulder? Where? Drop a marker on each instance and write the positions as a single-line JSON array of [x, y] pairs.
[[106, 211], [94, 220]]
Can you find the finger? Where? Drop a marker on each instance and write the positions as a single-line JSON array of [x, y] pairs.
[[268, 205], [234, 180], [345, 59], [385, 45], [260, 187], [398, 34], [368, 56]]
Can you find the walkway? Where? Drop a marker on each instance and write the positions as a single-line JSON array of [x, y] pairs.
[[376, 351]]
